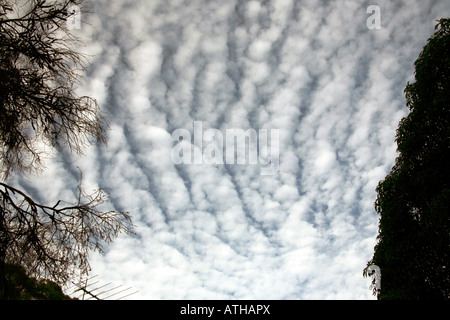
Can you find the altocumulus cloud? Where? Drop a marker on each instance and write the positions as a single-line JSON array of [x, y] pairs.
[[311, 69]]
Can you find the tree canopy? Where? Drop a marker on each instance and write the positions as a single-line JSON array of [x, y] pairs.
[[38, 75], [414, 199], [23, 287], [39, 111]]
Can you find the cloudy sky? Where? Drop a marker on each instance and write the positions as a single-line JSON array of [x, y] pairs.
[[314, 71]]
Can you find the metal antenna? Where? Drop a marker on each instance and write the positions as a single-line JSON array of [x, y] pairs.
[[93, 293]]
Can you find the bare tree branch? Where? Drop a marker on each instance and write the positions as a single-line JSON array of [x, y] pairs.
[[39, 73], [54, 241]]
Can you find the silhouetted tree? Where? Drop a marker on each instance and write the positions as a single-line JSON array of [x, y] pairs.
[[414, 199], [39, 72], [22, 287]]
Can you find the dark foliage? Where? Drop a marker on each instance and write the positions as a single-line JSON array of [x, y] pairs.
[[21, 287], [414, 199]]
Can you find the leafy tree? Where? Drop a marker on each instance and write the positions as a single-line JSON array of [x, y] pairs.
[[22, 287], [39, 111], [414, 199]]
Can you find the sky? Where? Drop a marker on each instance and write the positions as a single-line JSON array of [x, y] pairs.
[[316, 76]]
